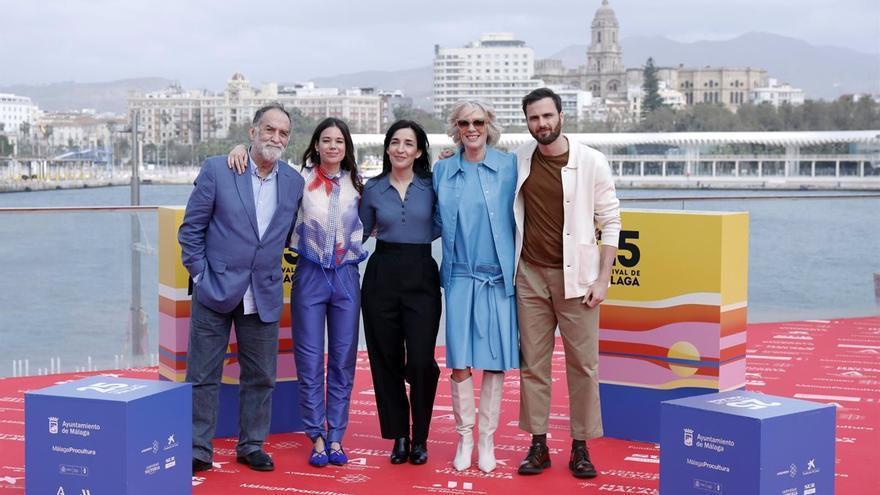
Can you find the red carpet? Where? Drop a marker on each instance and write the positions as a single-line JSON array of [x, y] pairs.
[[826, 361]]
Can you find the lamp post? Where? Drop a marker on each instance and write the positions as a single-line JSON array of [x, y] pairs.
[[166, 119], [137, 317]]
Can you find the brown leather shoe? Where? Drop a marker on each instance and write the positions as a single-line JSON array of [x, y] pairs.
[[580, 464], [536, 461]]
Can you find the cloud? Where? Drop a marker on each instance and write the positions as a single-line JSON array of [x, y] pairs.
[[203, 42]]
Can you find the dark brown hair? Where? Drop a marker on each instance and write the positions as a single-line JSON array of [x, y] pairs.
[[311, 158]]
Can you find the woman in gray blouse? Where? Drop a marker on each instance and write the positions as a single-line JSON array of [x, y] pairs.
[[400, 296]]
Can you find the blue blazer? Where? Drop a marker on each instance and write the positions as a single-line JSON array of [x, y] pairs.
[[498, 179], [220, 240]]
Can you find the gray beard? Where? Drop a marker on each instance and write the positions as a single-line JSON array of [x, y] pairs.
[[270, 154]]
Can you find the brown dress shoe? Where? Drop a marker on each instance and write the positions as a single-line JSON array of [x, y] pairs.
[[580, 464], [536, 461]]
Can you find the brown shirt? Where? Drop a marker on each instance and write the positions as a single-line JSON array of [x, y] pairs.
[[542, 195]]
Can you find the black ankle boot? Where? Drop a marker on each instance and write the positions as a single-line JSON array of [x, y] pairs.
[[419, 453], [400, 451]]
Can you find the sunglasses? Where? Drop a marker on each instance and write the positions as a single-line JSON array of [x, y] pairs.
[[464, 124]]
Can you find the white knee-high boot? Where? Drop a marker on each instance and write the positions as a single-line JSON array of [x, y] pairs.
[[491, 391], [463, 408]]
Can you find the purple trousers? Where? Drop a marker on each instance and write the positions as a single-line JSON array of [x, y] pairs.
[[325, 299]]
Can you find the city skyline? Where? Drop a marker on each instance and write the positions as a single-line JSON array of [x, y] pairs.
[[201, 43]]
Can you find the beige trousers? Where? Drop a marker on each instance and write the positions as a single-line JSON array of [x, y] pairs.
[[541, 306]]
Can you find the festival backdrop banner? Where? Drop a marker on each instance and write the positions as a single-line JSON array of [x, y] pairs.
[[674, 322], [174, 312]]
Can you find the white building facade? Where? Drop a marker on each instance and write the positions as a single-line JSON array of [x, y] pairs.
[[186, 117], [79, 129], [777, 94], [497, 69], [577, 104], [16, 110]]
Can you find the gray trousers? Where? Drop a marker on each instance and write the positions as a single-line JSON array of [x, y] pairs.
[[257, 357]]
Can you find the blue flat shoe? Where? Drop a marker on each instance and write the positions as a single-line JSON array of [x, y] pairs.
[[318, 459], [337, 457]]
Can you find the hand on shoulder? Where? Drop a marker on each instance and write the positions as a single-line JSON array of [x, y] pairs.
[[446, 153], [237, 159]]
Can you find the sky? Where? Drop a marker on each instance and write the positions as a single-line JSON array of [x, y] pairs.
[[202, 43]]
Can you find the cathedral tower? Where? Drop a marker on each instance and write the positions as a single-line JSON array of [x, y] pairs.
[[605, 75]]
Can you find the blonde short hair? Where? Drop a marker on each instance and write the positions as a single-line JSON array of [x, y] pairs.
[[493, 130]]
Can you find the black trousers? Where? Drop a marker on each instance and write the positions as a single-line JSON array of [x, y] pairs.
[[400, 300]]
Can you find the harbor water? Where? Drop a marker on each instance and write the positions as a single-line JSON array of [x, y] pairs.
[[65, 281]]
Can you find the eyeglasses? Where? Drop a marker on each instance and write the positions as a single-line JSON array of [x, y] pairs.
[[478, 124]]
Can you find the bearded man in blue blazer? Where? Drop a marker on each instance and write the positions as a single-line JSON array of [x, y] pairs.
[[232, 238]]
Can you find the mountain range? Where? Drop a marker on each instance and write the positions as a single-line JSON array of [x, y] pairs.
[[72, 96], [823, 72], [416, 83]]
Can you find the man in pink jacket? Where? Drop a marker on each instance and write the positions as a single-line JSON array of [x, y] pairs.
[[564, 196]]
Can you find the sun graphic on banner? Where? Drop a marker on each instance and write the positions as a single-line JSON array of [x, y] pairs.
[[683, 350]]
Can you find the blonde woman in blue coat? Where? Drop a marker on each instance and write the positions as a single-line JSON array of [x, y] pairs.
[[475, 189]]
